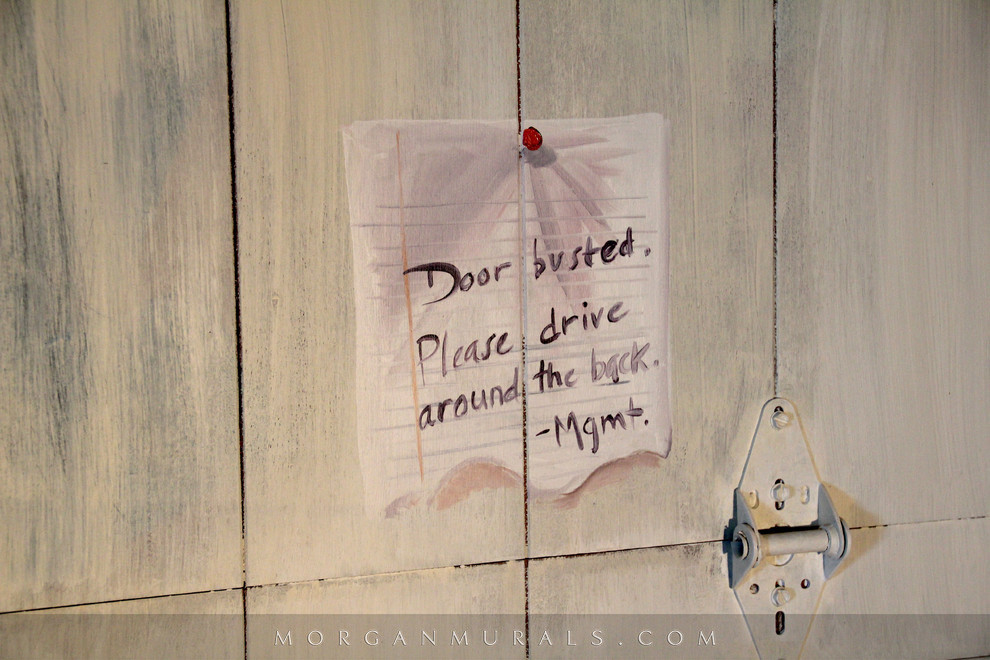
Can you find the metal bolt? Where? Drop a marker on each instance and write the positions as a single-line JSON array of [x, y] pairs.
[[780, 419], [780, 596], [780, 491]]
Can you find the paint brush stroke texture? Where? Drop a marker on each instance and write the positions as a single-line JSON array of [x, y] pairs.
[[501, 294]]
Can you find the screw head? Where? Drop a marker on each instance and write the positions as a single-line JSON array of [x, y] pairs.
[[780, 419], [780, 491], [780, 597]]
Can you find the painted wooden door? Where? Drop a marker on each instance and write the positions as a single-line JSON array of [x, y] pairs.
[[119, 481], [179, 329], [883, 255]]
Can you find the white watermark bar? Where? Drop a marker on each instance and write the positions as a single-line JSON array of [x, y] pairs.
[[54, 634]]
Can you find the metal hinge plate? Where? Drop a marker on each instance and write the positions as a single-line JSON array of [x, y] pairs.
[[786, 536]]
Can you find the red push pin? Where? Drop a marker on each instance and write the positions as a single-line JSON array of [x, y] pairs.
[[532, 139]]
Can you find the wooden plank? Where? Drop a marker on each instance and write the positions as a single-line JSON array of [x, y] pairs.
[[884, 267], [438, 601], [918, 590], [119, 384], [707, 68], [685, 579], [303, 71], [634, 599], [209, 625]]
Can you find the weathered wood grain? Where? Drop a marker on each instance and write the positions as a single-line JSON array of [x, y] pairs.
[[207, 625], [635, 599], [708, 69], [118, 388], [884, 255], [302, 71], [444, 600], [916, 590], [647, 581]]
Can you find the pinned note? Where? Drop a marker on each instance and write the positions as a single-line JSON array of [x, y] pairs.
[[507, 298]]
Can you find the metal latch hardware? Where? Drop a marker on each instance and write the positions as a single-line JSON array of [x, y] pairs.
[[786, 537]]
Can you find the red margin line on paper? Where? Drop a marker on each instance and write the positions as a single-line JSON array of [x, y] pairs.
[[405, 282]]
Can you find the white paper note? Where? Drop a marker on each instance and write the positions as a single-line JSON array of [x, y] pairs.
[[463, 251]]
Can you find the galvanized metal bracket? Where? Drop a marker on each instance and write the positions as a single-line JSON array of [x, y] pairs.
[[787, 538]]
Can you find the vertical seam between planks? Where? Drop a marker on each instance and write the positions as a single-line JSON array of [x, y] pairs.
[[523, 324], [239, 347], [776, 244]]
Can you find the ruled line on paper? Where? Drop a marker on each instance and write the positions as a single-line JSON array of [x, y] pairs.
[[494, 361], [460, 341], [585, 355], [485, 291], [454, 241], [556, 404], [455, 377], [597, 281], [474, 415], [576, 200], [604, 334], [566, 362], [602, 381], [501, 407], [507, 221], [505, 440], [513, 201], [493, 430], [447, 204], [493, 260], [553, 278], [467, 448], [631, 333], [541, 218], [601, 270], [489, 413], [514, 241]]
